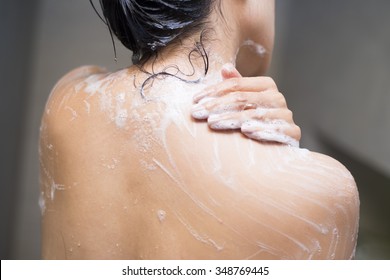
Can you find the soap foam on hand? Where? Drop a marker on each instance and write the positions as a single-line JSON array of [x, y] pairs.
[[268, 132]]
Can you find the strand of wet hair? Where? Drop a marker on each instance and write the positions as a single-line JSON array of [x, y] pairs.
[[199, 48], [105, 21]]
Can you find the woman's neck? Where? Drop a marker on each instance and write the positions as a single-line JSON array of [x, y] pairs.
[[201, 54], [192, 59]]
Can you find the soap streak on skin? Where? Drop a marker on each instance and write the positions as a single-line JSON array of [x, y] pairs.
[[227, 179], [268, 248], [181, 185], [295, 241], [49, 184], [240, 154], [333, 244], [200, 237], [316, 249], [275, 251], [74, 113], [166, 171], [214, 201], [64, 99], [216, 159], [251, 154], [346, 218], [55, 187], [321, 228], [87, 106]]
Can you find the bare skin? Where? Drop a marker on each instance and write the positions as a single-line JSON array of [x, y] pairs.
[[130, 178], [132, 191]]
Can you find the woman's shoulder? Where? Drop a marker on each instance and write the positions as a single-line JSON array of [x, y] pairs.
[[88, 95], [334, 169], [328, 172], [68, 91], [87, 108], [80, 73], [326, 180], [83, 167], [310, 174], [321, 196]]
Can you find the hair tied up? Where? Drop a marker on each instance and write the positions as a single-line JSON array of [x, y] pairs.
[[146, 26]]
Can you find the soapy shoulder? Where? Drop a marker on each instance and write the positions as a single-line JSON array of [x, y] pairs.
[[333, 166], [334, 189], [91, 107], [73, 114], [65, 95], [328, 174], [88, 96]]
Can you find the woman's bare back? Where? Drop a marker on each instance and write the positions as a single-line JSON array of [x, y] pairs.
[[131, 177]]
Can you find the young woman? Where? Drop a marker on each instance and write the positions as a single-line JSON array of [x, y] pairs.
[[129, 169]]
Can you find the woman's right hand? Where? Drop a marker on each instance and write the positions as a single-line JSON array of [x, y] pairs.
[[252, 104]]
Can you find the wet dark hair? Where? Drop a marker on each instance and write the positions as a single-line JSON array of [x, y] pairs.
[[146, 26]]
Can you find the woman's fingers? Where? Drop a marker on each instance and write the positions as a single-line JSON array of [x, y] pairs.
[[238, 101], [237, 84], [278, 121], [260, 124], [267, 116], [229, 71], [272, 132]]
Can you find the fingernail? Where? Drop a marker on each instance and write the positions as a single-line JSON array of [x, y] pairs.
[[201, 95], [228, 67], [199, 112]]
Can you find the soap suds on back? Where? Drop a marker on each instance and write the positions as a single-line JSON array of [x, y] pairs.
[[156, 154], [161, 214]]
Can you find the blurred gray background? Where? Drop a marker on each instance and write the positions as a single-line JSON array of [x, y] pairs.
[[331, 60]]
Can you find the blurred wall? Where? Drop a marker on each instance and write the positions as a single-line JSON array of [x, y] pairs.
[[17, 20], [333, 65], [336, 66], [330, 61]]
